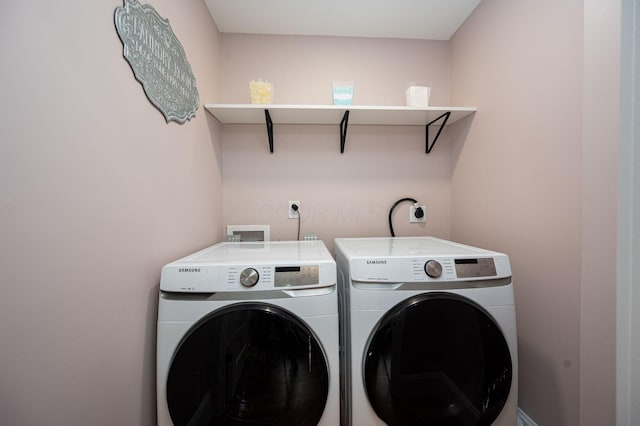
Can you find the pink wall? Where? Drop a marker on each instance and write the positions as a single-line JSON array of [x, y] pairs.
[[341, 195], [97, 192], [600, 153], [520, 184]]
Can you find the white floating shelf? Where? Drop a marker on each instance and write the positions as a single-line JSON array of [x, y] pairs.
[[342, 115], [333, 114]]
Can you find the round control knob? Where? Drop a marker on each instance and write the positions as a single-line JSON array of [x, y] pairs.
[[433, 268], [249, 277]]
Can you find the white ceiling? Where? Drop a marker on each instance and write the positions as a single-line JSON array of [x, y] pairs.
[[416, 19]]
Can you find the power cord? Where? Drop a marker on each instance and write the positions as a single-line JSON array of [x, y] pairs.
[[393, 234]]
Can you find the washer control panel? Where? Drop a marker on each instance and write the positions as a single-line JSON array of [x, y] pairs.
[[285, 276], [246, 276], [263, 277]]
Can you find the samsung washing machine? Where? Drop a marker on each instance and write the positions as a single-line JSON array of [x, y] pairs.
[[248, 334], [427, 334]]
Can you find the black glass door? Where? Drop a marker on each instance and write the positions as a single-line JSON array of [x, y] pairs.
[[437, 359], [248, 364]]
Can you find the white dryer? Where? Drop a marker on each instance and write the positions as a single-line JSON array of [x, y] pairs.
[[427, 334], [248, 334]]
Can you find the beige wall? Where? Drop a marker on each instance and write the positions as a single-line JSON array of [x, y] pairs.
[[340, 195], [532, 180], [97, 192]]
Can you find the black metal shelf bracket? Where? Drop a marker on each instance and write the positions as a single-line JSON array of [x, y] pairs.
[[343, 130], [444, 122], [267, 117], [345, 122]]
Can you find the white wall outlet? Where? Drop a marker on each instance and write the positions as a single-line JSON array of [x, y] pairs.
[[293, 214], [417, 214]]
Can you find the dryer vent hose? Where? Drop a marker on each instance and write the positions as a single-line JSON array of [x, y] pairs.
[[393, 234]]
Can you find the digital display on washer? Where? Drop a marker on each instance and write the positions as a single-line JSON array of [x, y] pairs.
[[475, 268], [295, 276]]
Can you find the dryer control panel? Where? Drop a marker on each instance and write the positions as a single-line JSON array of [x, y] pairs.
[[423, 269]]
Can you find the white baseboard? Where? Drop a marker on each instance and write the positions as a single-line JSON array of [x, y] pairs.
[[524, 420]]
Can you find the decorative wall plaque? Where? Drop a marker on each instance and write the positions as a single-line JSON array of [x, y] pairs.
[[158, 60]]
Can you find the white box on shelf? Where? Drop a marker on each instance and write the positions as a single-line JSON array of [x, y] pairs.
[[418, 96]]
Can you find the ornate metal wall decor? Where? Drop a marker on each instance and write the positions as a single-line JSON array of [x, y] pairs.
[[158, 60]]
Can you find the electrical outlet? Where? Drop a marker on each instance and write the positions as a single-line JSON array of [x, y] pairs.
[[417, 214], [293, 214]]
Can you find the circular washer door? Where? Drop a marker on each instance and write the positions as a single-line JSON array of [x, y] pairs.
[[439, 359], [248, 363]]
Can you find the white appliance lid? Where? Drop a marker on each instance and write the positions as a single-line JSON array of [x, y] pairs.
[[290, 252], [407, 246]]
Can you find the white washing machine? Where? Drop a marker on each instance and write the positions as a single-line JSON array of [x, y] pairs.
[[248, 334], [427, 333]]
